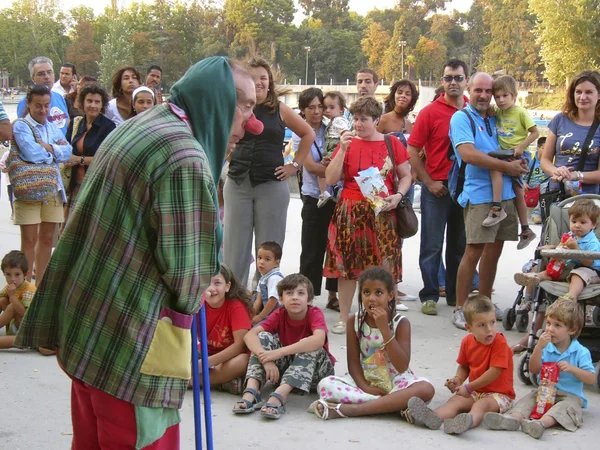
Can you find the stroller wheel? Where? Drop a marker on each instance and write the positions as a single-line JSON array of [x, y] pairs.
[[596, 320], [508, 319], [523, 371], [522, 322]]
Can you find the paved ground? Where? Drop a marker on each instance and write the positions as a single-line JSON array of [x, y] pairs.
[[36, 392]]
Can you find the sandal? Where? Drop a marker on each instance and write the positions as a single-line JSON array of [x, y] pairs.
[[279, 409], [334, 304], [233, 387], [326, 407], [339, 328], [250, 406]]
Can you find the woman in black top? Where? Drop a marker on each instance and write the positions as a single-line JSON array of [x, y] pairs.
[[256, 191], [85, 133]]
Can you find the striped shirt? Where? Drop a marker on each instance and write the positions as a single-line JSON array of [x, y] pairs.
[[139, 246]]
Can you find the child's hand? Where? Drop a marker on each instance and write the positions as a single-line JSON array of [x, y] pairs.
[[453, 384], [462, 391], [381, 318], [571, 243], [271, 372], [256, 319], [269, 356], [375, 391], [518, 151], [11, 289], [564, 366], [543, 340], [325, 161]]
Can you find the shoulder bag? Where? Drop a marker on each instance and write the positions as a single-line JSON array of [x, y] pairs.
[[532, 195], [30, 181], [408, 224]]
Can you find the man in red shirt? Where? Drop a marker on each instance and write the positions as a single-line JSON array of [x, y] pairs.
[[438, 212]]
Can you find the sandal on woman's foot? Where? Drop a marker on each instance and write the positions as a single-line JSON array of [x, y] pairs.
[[249, 407], [279, 409], [334, 304], [339, 328], [233, 387], [324, 415]]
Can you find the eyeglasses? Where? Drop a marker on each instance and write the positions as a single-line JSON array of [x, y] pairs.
[[449, 78]]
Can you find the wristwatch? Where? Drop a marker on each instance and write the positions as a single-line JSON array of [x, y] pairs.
[[82, 162], [296, 165]]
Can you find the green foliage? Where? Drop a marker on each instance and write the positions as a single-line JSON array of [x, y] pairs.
[[116, 51]]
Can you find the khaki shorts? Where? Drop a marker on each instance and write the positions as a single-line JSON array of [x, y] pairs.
[[589, 276], [507, 230], [503, 400], [34, 213], [567, 409]]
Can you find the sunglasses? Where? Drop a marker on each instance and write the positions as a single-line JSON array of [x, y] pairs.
[[449, 78]]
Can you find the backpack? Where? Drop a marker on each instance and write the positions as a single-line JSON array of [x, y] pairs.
[[456, 176]]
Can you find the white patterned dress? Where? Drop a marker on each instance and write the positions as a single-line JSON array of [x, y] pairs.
[[344, 390]]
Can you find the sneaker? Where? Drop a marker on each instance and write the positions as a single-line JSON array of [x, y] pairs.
[[526, 238], [496, 421], [459, 424], [323, 199], [421, 414], [401, 307], [527, 279], [458, 319], [494, 217], [499, 312], [533, 428], [429, 308]]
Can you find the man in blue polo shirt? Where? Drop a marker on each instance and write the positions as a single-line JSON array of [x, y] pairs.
[[477, 193], [42, 72]]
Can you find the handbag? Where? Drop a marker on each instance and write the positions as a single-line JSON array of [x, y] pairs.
[[30, 181], [67, 171], [407, 222], [532, 195]]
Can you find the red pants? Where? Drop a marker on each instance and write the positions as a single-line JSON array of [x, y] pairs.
[[103, 422]]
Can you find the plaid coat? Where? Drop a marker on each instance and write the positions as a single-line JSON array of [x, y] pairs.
[[129, 270]]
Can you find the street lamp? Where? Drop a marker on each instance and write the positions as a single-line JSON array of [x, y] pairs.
[[402, 44], [306, 77]]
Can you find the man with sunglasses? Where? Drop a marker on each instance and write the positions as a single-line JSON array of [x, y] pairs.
[[473, 135], [438, 212]]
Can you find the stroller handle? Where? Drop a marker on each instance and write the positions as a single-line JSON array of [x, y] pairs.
[[569, 254], [570, 200]]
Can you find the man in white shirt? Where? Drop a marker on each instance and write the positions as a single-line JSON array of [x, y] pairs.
[[65, 84]]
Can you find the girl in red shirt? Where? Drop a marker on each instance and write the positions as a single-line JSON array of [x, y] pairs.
[[228, 319]]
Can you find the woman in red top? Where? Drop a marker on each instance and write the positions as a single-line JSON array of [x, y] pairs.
[[358, 238], [228, 313]]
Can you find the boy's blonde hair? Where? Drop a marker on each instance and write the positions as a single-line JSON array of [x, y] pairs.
[[505, 83], [568, 312], [585, 207], [477, 304]]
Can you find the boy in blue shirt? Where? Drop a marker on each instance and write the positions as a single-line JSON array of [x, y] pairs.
[[558, 343], [583, 218]]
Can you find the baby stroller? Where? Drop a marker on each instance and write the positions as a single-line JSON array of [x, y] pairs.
[[548, 291]]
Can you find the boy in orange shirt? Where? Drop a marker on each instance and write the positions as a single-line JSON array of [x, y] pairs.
[[485, 359]]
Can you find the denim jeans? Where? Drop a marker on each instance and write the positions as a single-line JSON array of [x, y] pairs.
[[442, 276], [439, 215]]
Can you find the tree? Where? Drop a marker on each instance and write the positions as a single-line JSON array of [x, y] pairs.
[[329, 12], [116, 51], [431, 56], [84, 52], [374, 45], [568, 35], [477, 34]]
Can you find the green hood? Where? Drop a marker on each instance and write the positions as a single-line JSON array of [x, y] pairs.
[[207, 95]]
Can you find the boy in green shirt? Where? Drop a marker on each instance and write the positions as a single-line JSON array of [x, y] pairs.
[[516, 130]]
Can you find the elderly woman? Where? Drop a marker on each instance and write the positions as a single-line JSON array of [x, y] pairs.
[[86, 134], [315, 220], [256, 192], [567, 133], [124, 82], [40, 141], [357, 237]]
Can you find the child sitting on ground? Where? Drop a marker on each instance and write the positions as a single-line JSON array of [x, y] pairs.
[[516, 130], [485, 359], [380, 380], [228, 313], [267, 298], [583, 218], [335, 104], [564, 321], [290, 348], [15, 298]]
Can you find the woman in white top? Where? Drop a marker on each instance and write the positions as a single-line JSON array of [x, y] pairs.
[[124, 82]]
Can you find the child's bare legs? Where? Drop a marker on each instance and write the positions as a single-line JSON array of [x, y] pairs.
[[4, 302], [516, 420], [394, 402], [496, 214], [230, 370], [325, 196], [7, 316], [527, 235], [322, 184], [455, 405], [472, 419], [576, 285], [7, 342]]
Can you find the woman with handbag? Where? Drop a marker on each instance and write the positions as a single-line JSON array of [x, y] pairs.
[[359, 238], [86, 133], [571, 151], [37, 148]]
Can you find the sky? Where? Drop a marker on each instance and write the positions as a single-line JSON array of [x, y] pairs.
[[360, 6]]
